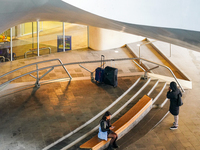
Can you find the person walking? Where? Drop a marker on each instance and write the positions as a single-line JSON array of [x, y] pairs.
[[172, 94], [105, 131]]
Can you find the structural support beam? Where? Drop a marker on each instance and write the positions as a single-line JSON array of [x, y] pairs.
[[38, 46], [88, 34], [63, 36], [11, 49]]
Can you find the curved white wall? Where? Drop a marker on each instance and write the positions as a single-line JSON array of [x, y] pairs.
[[103, 39]]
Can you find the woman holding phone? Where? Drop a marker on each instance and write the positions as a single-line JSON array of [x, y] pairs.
[[105, 131], [172, 94]]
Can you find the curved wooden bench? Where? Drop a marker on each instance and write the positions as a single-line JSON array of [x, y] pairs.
[[123, 124]]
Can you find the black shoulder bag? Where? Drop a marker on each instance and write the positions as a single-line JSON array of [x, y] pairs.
[[179, 102]]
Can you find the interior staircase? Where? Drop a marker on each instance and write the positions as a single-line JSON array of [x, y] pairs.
[[155, 89]]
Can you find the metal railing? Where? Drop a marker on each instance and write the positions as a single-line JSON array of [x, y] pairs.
[[37, 84], [145, 72], [84, 62], [139, 45], [35, 49], [91, 72]]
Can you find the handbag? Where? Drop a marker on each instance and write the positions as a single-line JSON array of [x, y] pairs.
[[102, 135], [179, 101]]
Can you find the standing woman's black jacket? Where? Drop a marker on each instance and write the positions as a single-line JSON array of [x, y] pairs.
[[173, 96]]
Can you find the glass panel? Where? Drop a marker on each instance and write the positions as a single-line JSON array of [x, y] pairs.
[[24, 40], [51, 34], [78, 34], [48, 36]]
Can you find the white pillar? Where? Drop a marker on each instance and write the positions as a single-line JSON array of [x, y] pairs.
[[88, 34], [63, 37], [38, 28], [11, 57]]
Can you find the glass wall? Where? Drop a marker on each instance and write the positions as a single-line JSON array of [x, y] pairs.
[[26, 40], [50, 38], [79, 35]]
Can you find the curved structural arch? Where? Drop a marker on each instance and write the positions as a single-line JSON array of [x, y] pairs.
[[172, 22]]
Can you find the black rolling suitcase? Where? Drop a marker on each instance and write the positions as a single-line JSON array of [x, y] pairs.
[[110, 76], [99, 72]]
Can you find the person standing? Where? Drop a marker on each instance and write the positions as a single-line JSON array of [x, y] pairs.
[[172, 94], [105, 131]]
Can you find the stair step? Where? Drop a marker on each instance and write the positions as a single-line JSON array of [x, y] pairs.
[[155, 94], [150, 121], [143, 127], [123, 111], [162, 99], [92, 125], [136, 99]]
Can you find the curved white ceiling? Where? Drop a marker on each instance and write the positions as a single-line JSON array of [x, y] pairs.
[[171, 21], [169, 14]]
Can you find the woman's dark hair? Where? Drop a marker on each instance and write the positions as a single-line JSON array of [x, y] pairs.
[[173, 86], [107, 113]]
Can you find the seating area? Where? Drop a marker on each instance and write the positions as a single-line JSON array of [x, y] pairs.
[[123, 124]]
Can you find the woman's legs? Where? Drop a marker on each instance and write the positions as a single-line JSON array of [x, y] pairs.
[[176, 121], [175, 124], [113, 137]]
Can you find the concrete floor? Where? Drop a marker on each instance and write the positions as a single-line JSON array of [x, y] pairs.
[[33, 119]]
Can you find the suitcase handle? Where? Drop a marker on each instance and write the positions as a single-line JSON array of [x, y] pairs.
[[102, 61]]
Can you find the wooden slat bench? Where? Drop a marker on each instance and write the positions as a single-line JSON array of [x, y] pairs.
[[123, 124]]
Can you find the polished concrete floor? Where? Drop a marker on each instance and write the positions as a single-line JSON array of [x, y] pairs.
[[33, 118]]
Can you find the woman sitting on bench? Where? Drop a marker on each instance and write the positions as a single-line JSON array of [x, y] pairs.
[[105, 131]]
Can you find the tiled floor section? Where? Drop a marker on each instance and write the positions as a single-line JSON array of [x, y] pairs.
[[67, 57]]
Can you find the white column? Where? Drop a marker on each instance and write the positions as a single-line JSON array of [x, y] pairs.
[[11, 57], [88, 34], [38, 28], [63, 37]]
